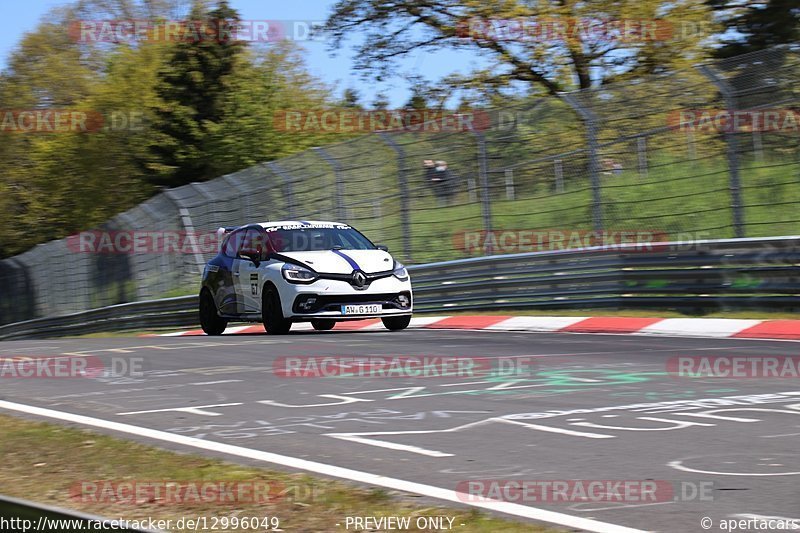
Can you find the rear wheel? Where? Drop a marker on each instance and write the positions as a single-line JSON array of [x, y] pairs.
[[272, 314], [210, 320], [396, 323], [323, 325]]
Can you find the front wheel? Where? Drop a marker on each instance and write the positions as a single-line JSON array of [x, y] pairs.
[[272, 314], [210, 320], [322, 325], [396, 323]]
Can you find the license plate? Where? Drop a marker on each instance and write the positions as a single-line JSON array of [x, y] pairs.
[[364, 309]]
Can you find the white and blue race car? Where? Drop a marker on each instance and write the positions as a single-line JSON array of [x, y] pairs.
[[302, 271]]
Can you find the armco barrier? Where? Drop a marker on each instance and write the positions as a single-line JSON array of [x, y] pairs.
[[46, 518], [696, 277]]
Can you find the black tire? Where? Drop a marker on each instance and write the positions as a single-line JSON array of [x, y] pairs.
[[210, 320], [396, 323], [272, 314], [323, 325]]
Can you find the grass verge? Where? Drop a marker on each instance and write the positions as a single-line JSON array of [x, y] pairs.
[[43, 462]]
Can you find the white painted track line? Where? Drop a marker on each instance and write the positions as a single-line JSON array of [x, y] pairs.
[[431, 491], [536, 323], [706, 327]]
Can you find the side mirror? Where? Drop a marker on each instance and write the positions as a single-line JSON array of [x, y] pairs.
[[251, 256], [382, 247]]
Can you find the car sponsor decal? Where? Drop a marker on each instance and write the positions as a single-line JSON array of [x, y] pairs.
[[307, 225]]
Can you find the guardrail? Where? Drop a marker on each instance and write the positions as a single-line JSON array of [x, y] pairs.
[[22, 515], [696, 277]]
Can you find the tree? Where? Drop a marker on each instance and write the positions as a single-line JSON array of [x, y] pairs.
[[756, 25], [381, 101], [193, 88], [351, 99], [552, 46], [269, 81], [54, 185], [417, 100]]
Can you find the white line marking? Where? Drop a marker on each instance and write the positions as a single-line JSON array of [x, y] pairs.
[[218, 382], [783, 435], [392, 445], [558, 430], [328, 470], [678, 465], [196, 410]]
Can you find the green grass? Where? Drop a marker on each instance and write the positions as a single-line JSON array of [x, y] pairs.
[[42, 462], [682, 199]]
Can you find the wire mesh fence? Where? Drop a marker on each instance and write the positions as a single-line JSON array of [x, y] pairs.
[[708, 152]]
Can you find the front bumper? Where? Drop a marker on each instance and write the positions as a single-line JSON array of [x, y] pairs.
[[325, 298]]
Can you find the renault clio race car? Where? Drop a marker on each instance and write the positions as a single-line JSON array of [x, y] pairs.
[[279, 273]]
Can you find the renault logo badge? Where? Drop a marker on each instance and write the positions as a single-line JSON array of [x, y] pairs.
[[359, 278]]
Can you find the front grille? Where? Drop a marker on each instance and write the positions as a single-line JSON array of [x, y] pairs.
[[327, 302]]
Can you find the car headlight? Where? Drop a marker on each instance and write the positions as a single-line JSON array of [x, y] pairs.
[[400, 272], [297, 274]]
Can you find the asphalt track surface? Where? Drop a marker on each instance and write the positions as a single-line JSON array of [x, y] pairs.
[[636, 422]]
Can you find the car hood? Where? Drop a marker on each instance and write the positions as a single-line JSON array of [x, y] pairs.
[[344, 261]]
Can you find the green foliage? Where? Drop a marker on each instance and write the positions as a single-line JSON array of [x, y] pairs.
[[757, 25], [193, 87], [209, 107], [549, 47]]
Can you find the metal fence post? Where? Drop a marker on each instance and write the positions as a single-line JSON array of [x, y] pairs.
[[758, 145], [471, 188], [337, 174], [483, 178], [590, 120], [641, 149], [402, 183], [510, 194], [732, 147], [188, 226], [558, 168], [288, 186], [244, 207]]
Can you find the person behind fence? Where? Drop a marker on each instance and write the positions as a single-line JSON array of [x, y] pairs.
[[433, 178], [438, 177]]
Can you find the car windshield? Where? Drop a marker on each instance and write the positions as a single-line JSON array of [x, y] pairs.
[[305, 239]]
